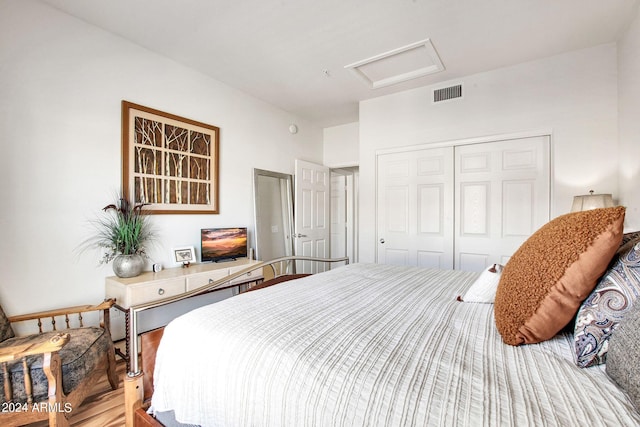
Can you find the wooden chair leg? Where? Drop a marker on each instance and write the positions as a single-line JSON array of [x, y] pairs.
[[53, 370], [111, 370]]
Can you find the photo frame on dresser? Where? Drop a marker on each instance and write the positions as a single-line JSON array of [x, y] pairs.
[[169, 162], [184, 255]]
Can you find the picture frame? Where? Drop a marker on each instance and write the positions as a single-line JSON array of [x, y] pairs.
[[183, 255], [169, 162]]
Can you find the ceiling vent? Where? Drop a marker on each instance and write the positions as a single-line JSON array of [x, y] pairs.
[[399, 65], [447, 93]]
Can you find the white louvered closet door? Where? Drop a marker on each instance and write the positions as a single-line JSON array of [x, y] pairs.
[[462, 207]]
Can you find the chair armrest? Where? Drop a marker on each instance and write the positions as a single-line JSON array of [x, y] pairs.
[[16, 352], [105, 305]]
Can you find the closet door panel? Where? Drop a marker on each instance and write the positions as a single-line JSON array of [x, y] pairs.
[[474, 209], [431, 210], [415, 208], [430, 259], [502, 197], [517, 208], [472, 261], [397, 207]]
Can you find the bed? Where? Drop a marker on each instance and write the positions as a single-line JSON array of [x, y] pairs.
[[381, 345], [374, 345]]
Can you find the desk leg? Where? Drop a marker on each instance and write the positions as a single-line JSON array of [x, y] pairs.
[[124, 356], [127, 341]]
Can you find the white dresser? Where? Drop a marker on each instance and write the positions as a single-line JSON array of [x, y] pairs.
[[150, 286]]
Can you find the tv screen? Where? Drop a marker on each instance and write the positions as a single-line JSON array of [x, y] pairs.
[[223, 244]]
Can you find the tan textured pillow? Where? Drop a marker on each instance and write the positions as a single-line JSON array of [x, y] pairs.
[[545, 281]]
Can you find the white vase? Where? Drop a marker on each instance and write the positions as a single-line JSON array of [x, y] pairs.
[[128, 265]]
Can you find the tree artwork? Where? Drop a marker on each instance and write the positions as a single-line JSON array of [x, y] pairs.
[[169, 162]]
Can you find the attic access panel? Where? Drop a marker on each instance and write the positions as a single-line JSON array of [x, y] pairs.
[[399, 65]]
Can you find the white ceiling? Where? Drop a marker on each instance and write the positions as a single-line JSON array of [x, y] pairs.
[[292, 53]]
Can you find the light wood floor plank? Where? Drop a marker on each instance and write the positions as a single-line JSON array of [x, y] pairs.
[[103, 407]]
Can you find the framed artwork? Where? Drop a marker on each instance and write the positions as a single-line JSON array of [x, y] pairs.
[[185, 255], [169, 162]]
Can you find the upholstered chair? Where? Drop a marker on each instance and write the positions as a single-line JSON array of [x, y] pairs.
[[47, 375]]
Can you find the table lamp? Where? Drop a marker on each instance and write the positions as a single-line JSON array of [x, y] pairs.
[[590, 201]]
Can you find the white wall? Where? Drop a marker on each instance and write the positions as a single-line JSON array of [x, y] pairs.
[[573, 96], [341, 145], [629, 120], [61, 84]]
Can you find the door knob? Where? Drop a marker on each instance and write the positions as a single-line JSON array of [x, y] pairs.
[[299, 235], [382, 241]]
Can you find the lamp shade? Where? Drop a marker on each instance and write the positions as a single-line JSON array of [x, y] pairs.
[[590, 201]]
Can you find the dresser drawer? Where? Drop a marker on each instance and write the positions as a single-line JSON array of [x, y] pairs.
[[247, 277], [197, 280], [154, 291]]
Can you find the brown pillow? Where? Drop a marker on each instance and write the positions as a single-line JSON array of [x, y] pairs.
[[545, 281]]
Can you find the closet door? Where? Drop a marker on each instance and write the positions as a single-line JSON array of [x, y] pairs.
[[463, 207], [502, 197], [415, 208]]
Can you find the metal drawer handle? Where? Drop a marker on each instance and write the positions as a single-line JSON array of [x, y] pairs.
[[160, 291]]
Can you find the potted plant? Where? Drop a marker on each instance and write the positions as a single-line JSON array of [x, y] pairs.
[[123, 233]]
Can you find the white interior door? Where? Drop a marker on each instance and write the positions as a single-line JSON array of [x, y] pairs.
[[502, 197], [312, 214], [415, 208]]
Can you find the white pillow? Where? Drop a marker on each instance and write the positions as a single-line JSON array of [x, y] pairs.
[[484, 288]]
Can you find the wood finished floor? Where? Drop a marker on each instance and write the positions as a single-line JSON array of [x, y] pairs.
[[103, 407]]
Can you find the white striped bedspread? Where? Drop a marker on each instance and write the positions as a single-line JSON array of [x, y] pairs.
[[371, 345]]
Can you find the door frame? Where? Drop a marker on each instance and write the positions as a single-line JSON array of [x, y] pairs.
[[467, 141]]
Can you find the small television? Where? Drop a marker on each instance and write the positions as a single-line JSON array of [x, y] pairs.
[[218, 244]]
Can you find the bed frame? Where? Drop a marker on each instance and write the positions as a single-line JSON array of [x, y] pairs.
[[138, 383]]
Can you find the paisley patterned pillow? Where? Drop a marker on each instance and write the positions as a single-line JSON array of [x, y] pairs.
[[627, 237], [611, 299]]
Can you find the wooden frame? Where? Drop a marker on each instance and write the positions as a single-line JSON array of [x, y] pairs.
[[169, 162], [183, 255]]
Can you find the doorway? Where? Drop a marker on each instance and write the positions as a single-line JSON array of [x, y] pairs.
[[273, 209], [344, 213]]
